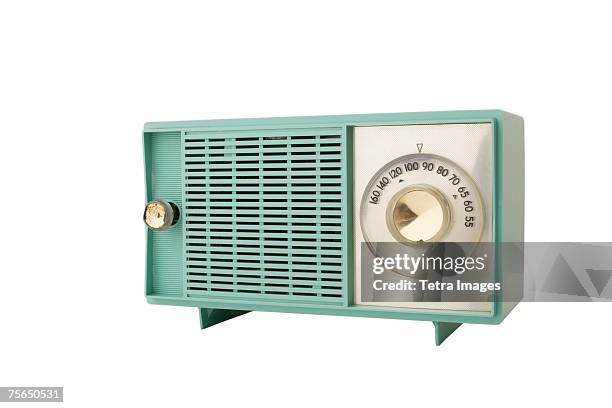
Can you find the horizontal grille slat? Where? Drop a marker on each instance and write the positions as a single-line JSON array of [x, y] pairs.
[[265, 216], [301, 284], [243, 173], [268, 287], [297, 158], [213, 265], [243, 241], [263, 150], [192, 228], [220, 142], [252, 295], [310, 260], [318, 214], [240, 167]]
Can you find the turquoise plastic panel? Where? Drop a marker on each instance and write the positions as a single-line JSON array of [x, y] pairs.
[[164, 171]]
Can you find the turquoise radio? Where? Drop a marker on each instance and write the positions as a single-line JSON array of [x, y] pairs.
[[303, 215]]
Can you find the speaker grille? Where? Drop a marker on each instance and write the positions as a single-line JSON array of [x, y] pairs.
[[266, 215]]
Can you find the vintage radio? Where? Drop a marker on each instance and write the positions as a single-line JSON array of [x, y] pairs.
[[283, 214]]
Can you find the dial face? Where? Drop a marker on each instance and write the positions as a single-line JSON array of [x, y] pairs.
[[421, 198], [414, 185]]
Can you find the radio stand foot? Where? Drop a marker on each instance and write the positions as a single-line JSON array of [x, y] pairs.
[[443, 330], [210, 317]]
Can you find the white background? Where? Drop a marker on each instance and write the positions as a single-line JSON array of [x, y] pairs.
[[79, 79]]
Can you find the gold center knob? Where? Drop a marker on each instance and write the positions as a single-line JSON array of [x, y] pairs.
[[418, 214]]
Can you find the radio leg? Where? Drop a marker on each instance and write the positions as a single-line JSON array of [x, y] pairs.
[[443, 330], [210, 317]]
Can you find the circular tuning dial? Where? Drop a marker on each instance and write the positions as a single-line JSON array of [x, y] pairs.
[[419, 199]]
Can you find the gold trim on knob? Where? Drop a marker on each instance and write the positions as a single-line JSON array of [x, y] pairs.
[[160, 215], [418, 214]]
